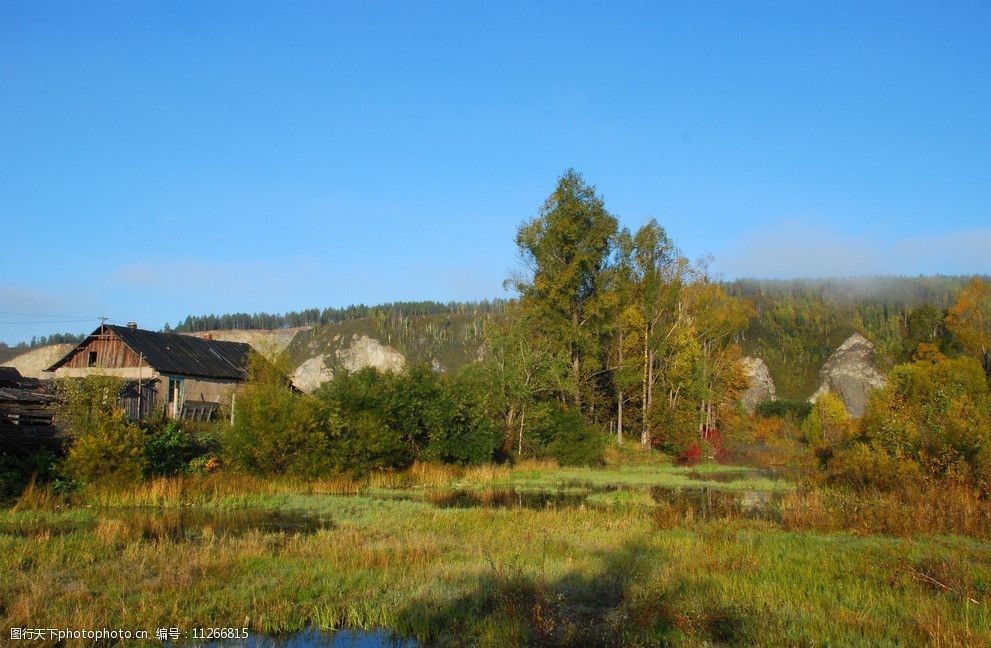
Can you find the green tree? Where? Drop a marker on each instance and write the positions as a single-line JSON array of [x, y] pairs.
[[657, 274], [715, 318], [567, 248], [518, 369], [827, 422], [277, 430], [624, 349]]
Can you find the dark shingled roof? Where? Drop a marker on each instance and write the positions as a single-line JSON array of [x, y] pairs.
[[183, 355], [10, 375]]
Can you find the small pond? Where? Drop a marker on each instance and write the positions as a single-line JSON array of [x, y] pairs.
[[728, 476], [709, 503], [506, 498], [702, 502]]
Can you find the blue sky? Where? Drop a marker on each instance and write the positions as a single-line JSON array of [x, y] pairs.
[[159, 159]]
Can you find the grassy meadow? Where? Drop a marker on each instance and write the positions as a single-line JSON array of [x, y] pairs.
[[623, 566]]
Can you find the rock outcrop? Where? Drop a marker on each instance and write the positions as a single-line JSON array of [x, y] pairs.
[[362, 352], [312, 373], [850, 373], [369, 352], [761, 385]]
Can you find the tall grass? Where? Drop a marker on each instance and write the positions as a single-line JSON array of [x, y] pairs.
[[482, 577], [944, 508]]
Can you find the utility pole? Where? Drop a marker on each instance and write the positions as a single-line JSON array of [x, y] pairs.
[[141, 357]]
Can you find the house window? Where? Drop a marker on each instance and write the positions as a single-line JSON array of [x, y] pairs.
[[92, 359]]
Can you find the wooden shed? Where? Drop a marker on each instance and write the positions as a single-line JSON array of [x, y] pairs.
[[182, 375]]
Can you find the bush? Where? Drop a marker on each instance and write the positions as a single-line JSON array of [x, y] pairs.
[[43, 467], [362, 442], [409, 403], [275, 429], [827, 422], [464, 435], [675, 429], [169, 449], [573, 440], [692, 455], [387, 420], [864, 467], [792, 409], [106, 447], [110, 451], [932, 421]]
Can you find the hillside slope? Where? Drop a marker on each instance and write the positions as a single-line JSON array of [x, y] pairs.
[[314, 354], [33, 363], [269, 342]]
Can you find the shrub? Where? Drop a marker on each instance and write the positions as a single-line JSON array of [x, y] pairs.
[[169, 449], [106, 447], [276, 430], [43, 467], [111, 450], [691, 455], [675, 429], [781, 408], [362, 443], [714, 446], [864, 467], [574, 441], [827, 422], [84, 403], [935, 412], [931, 421], [464, 435], [410, 404], [387, 420]]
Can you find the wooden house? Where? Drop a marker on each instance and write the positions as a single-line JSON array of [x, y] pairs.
[[181, 375]]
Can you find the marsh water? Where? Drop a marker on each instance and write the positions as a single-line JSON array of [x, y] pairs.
[[702, 502]]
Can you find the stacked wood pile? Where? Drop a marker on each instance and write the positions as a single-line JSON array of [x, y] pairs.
[[26, 414]]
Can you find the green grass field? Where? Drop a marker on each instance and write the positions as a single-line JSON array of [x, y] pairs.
[[581, 574]]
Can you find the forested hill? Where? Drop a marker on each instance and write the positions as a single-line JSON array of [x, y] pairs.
[[315, 316], [798, 323], [12, 351]]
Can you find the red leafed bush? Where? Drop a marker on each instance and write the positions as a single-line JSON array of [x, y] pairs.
[[711, 446], [717, 444], [691, 455]]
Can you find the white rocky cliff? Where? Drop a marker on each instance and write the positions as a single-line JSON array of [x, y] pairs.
[[362, 352], [761, 385], [850, 373]]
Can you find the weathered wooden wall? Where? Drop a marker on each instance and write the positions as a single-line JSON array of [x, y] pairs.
[[110, 353]]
